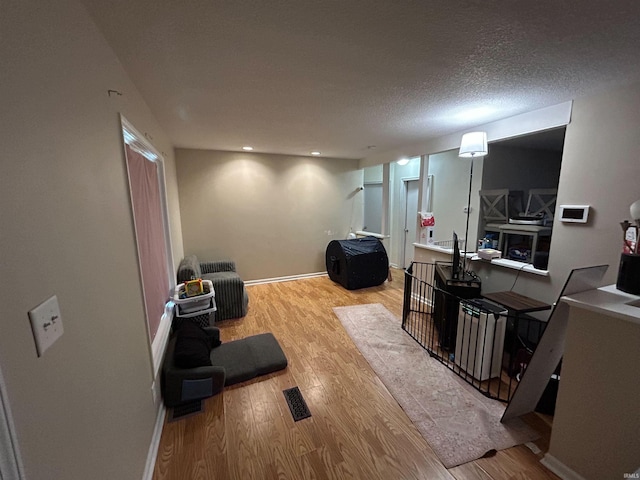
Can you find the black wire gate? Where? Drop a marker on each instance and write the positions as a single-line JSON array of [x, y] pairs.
[[476, 339]]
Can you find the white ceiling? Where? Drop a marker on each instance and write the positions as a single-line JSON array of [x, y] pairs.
[[342, 75]]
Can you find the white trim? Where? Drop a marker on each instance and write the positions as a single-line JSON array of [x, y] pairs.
[[404, 197], [11, 467], [155, 444], [514, 265], [162, 338], [364, 233], [435, 248], [409, 179], [559, 468], [285, 279], [142, 145], [420, 299], [500, 262]]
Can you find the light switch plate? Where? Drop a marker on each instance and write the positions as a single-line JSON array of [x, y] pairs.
[[46, 324]]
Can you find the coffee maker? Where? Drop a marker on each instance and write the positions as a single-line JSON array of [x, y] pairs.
[[629, 273], [629, 269]]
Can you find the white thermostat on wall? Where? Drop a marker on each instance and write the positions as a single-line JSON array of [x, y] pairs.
[[574, 213]]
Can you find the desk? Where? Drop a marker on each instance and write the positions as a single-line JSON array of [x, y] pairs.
[[533, 231], [447, 293], [517, 305]]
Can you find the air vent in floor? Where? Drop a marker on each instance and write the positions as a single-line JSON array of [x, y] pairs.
[[186, 410], [297, 405]]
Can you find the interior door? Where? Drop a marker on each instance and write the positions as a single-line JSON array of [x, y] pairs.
[[410, 220]]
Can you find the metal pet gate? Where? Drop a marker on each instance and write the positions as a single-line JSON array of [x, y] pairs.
[[476, 339]]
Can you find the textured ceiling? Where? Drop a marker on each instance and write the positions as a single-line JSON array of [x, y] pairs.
[[341, 75]]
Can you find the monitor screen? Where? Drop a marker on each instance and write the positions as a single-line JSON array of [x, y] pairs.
[[455, 267]]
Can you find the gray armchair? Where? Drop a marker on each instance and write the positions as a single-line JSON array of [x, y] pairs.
[[232, 300], [181, 385], [200, 366]]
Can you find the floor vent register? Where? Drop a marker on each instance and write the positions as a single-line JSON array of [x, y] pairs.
[[297, 405], [186, 410]]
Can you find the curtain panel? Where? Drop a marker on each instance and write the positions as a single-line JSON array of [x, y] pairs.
[[150, 236]]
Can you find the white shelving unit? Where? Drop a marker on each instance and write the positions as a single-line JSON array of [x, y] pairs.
[[188, 307]]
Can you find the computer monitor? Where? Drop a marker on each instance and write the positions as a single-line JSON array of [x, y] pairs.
[[455, 267]]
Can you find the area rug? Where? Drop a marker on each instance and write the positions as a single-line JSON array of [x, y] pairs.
[[459, 423]]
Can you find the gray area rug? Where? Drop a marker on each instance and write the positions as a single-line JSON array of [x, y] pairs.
[[459, 423]]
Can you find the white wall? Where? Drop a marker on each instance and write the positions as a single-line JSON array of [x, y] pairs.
[[85, 409], [273, 214], [373, 174], [451, 194], [397, 200], [599, 168]]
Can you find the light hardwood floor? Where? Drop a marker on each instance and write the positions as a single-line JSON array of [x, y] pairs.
[[357, 430]]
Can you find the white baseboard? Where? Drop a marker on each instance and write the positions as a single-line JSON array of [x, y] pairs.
[[559, 468], [285, 279], [421, 299], [155, 444]]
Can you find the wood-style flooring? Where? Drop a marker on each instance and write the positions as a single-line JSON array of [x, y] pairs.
[[357, 430]]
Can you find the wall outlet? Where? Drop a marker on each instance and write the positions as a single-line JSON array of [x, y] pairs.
[[46, 324]]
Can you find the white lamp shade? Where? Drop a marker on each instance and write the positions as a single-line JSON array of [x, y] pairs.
[[635, 210], [473, 144]]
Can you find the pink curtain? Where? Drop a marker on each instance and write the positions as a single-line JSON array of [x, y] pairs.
[[150, 236]]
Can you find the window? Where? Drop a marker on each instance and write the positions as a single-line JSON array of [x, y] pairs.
[[145, 170]]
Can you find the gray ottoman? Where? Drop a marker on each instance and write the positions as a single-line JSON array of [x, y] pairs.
[[249, 357]]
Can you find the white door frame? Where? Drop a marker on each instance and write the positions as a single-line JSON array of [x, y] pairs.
[[405, 195], [11, 467]]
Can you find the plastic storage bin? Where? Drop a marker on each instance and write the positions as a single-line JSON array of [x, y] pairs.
[[193, 306]]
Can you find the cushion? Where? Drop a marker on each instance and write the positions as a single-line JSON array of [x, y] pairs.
[[189, 269], [249, 357], [193, 346]]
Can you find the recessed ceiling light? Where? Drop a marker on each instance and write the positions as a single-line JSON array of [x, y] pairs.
[[315, 153], [247, 148], [403, 161]]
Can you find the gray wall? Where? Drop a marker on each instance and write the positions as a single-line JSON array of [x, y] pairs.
[[451, 195], [67, 230], [520, 169], [599, 168], [595, 427], [84, 410], [273, 214]]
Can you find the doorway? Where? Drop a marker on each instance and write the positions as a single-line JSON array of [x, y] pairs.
[[411, 188]]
